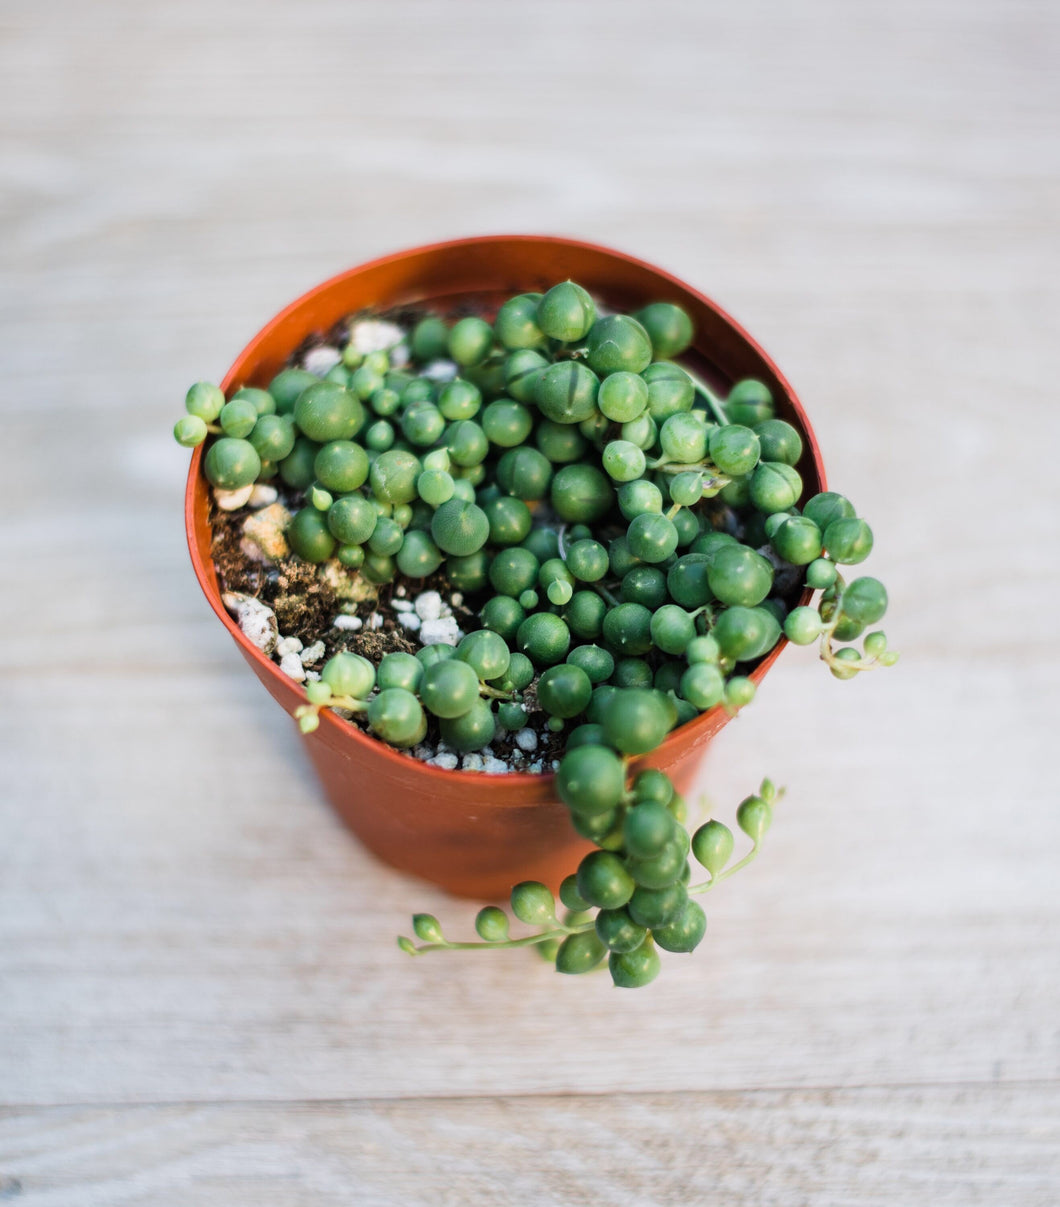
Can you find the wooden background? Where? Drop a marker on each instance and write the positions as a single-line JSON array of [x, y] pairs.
[[200, 997]]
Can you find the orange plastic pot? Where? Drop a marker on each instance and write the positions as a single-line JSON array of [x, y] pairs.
[[475, 834]]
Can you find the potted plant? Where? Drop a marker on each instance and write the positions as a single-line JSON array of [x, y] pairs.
[[620, 505]]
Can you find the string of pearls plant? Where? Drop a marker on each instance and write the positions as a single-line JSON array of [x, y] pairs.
[[632, 545]]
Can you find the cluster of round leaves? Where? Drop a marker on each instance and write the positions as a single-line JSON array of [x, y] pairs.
[[630, 542], [457, 685], [640, 886]]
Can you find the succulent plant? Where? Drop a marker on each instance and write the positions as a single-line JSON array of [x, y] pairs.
[[631, 542]]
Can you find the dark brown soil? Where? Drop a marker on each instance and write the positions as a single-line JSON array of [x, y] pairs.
[[306, 604]]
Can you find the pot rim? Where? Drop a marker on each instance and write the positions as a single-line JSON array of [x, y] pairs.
[[342, 729]]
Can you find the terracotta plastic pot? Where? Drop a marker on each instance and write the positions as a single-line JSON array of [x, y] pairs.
[[474, 834]]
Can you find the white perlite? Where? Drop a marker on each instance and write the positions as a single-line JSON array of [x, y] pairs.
[[401, 605], [232, 500], [429, 605], [447, 762], [313, 654], [291, 665], [265, 533], [526, 740], [256, 620], [375, 335], [252, 553], [288, 645], [433, 618], [485, 761], [349, 624], [320, 361], [440, 370], [262, 494], [443, 631]]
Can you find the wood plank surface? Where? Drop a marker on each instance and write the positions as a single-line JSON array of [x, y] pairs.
[[178, 930], [961, 1146], [200, 997]]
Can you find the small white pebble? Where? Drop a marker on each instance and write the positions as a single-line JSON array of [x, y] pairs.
[[440, 370], [473, 762], [262, 494], [535, 767], [256, 620], [401, 605], [444, 631], [400, 356], [320, 361], [429, 606], [409, 620], [375, 335], [456, 599], [375, 621], [313, 676], [444, 748], [253, 553], [447, 762], [313, 654], [349, 623], [288, 645], [291, 665], [495, 766], [400, 591], [266, 529], [526, 739], [232, 500]]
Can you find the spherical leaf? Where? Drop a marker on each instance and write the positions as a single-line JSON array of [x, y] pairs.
[[685, 932], [580, 952], [590, 779], [566, 312], [604, 881], [712, 845], [569, 895], [427, 928], [635, 969], [618, 930], [533, 903], [754, 817], [669, 327], [189, 431], [491, 924]]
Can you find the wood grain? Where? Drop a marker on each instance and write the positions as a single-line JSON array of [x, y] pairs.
[[179, 927], [200, 999], [955, 1145]]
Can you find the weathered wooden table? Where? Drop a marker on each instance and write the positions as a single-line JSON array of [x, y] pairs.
[[200, 997]]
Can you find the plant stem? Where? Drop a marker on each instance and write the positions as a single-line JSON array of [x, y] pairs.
[[714, 403], [707, 885], [561, 932], [494, 692], [600, 589], [828, 652]]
